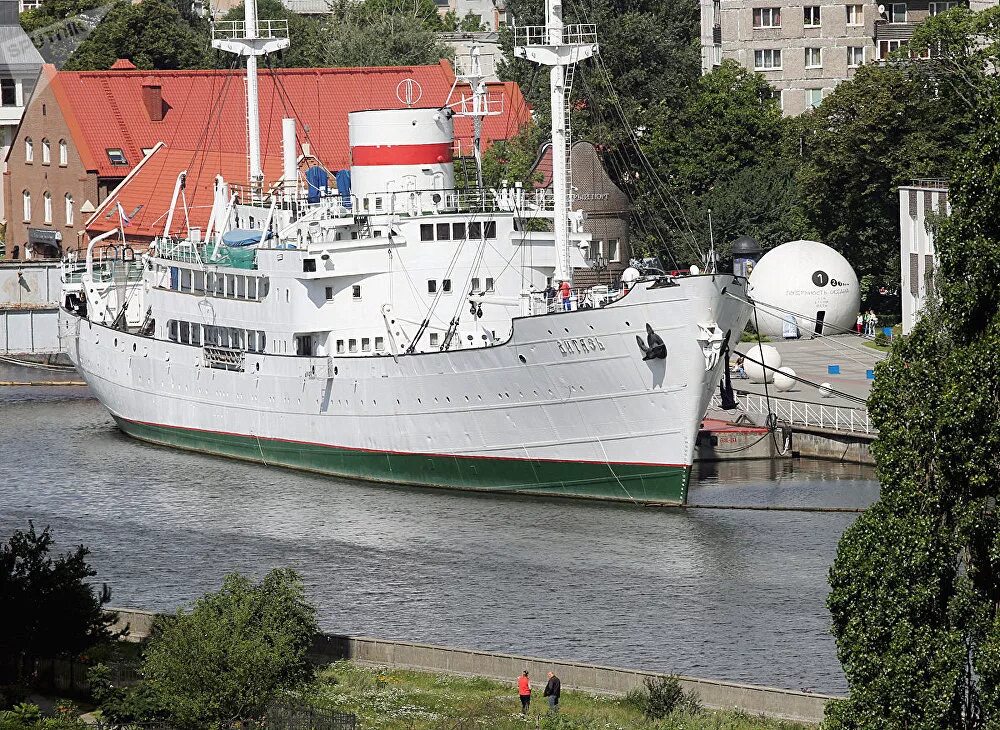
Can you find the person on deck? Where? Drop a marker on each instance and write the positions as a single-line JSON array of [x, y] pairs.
[[552, 690], [565, 290], [524, 691]]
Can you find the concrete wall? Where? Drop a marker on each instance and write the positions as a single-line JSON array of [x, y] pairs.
[[818, 443], [29, 318], [777, 703]]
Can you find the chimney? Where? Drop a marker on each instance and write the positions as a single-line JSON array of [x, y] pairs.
[[152, 98]]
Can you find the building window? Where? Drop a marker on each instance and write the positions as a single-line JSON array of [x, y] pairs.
[[116, 156], [47, 206], [46, 152], [8, 92], [767, 17], [614, 250], [432, 286], [63, 153], [855, 14], [814, 58], [29, 150], [898, 13], [815, 97], [934, 8], [768, 59], [26, 203], [855, 56], [885, 48], [69, 209], [356, 291], [717, 54], [810, 16]]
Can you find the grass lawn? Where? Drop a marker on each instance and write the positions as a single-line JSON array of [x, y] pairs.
[[384, 698], [872, 345]]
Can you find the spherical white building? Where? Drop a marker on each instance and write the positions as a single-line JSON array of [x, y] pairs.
[[812, 281]]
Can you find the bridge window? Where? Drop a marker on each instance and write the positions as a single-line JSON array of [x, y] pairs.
[[432, 286], [446, 286], [443, 231], [366, 344], [329, 293], [352, 345], [356, 291], [340, 347], [491, 229], [434, 339], [475, 283], [379, 344], [458, 231], [489, 284], [475, 230]]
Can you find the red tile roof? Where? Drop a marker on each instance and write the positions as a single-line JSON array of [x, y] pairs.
[[206, 109], [145, 197], [123, 64]]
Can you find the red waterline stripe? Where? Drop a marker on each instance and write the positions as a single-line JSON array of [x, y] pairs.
[[402, 154], [401, 453]]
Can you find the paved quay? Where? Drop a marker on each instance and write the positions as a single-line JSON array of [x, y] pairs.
[[811, 358]]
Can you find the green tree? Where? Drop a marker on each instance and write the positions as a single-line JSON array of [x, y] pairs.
[[49, 609], [51, 11], [382, 33], [153, 34], [224, 661], [916, 580]]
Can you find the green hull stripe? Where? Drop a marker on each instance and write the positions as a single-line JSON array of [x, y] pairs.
[[625, 482]]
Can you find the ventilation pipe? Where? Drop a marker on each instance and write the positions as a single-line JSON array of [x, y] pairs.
[[290, 172]]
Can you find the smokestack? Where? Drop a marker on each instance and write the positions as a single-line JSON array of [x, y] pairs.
[[152, 99], [290, 171]]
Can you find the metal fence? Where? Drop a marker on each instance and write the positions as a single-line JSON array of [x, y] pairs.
[[802, 413]]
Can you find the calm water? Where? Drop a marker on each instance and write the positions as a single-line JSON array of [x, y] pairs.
[[726, 594]]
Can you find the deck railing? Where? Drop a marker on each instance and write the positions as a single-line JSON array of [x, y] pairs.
[[802, 413]]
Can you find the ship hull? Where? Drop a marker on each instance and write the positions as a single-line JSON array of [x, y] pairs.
[[567, 407]]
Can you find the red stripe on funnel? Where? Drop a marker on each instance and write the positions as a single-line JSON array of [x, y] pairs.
[[402, 154]]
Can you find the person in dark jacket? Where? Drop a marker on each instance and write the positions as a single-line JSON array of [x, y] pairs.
[[552, 689]]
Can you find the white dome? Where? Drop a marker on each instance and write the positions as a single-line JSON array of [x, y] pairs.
[[809, 279]]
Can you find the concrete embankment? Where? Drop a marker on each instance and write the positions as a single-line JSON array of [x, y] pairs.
[[823, 443], [772, 702]]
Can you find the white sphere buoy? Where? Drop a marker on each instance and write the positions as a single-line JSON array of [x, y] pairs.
[[764, 354], [784, 379], [694, 270], [824, 390]]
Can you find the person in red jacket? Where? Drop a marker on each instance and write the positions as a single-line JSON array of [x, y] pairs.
[[565, 290], [524, 690]]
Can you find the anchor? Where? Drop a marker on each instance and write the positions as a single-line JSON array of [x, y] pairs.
[[653, 348]]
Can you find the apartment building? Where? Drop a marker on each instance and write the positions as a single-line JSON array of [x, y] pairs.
[[804, 48], [919, 204]]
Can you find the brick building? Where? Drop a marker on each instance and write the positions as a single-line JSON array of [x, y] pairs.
[[607, 209], [83, 132]]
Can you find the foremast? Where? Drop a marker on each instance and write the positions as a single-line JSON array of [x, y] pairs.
[[561, 47], [251, 38]]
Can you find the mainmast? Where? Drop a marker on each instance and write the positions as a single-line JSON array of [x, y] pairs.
[[559, 46], [251, 38]]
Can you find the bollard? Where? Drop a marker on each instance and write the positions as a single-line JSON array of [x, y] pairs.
[[887, 331], [833, 369], [870, 374]]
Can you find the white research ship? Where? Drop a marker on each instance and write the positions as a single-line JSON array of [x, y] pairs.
[[396, 329]]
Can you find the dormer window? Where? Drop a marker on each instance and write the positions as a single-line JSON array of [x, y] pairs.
[[116, 156]]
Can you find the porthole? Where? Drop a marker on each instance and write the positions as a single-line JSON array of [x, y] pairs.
[[522, 358], [566, 329], [133, 347], [116, 342], [628, 324]]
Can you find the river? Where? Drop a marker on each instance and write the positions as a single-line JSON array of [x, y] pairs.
[[726, 594]]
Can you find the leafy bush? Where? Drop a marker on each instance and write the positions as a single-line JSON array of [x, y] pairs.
[[661, 696], [25, 716], [880, 339]]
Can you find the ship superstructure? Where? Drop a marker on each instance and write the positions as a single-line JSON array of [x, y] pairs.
[[383, 323]]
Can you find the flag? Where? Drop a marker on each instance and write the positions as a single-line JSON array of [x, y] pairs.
[[121, 215]]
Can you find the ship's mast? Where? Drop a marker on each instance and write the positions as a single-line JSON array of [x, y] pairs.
[[251, 38], [559, 46]]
